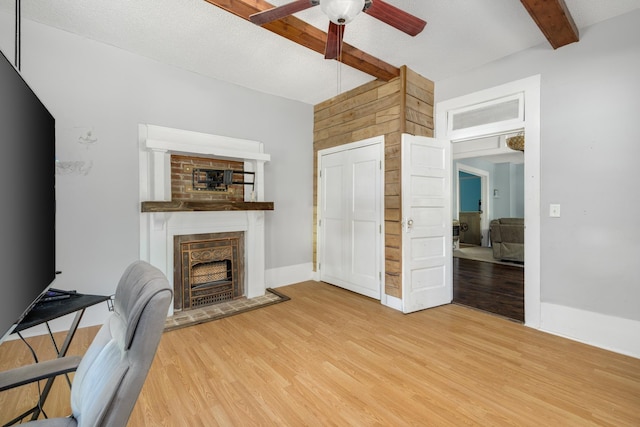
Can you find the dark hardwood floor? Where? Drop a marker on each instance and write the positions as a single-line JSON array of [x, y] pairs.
[[494, 288]]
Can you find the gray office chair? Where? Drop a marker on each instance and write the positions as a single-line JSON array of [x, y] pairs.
[[110, 375]]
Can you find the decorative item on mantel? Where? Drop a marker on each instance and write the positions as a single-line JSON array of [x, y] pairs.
[[516, 142], [218, 179]]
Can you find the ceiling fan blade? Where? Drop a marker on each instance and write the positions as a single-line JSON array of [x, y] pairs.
[[280, 12], [333, 48], [395, 17]]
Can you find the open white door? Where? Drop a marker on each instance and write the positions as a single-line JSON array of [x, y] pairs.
[[427, 279]]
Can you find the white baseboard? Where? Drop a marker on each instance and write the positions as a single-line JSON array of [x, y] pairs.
[[600, 330], [391, 302], [282, 276]]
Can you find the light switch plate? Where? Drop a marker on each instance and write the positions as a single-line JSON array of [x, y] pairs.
[[554, 211]]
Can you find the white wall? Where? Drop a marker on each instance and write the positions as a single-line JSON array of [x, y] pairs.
[[508, 179], [516, 198], [589, 154], [88, 85]]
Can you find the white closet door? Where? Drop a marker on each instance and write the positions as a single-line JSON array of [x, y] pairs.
[[333, 221], [351, 219], [365, 220]]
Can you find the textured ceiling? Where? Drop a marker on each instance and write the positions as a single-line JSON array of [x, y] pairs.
[[197, 36]]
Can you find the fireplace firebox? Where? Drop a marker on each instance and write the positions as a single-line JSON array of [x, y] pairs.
[[209, 268]]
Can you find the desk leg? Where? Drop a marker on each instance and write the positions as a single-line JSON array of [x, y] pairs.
[[61, 353]]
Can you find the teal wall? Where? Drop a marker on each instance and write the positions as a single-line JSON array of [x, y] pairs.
[[470, 192], [506, 178]]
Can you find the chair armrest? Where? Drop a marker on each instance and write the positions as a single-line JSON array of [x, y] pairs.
[[38, 371]]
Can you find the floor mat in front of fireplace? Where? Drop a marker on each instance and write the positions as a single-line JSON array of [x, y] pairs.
[[224, 309]]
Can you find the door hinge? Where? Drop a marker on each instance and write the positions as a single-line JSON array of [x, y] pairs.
[[320, 173], [319, 223], [380, 164], [380, 229], [380, 275], [319, 266]]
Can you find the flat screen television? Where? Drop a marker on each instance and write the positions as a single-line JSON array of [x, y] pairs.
[[27, 198]]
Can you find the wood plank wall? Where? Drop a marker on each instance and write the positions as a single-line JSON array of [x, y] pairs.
[[402, 105]]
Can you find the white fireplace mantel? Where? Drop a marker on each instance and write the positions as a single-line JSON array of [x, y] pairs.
[[157, 229]]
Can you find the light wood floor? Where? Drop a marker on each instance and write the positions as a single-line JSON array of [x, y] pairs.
[[331, 357]]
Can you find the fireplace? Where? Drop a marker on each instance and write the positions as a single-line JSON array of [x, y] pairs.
[[164, 219], [209, 269]]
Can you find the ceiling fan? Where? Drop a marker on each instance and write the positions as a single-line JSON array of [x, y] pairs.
[[341, 12]]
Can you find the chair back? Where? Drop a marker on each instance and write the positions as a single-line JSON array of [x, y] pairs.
[[115, 366]]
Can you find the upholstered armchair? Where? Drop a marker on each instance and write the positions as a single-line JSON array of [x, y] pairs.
[[507, 239]]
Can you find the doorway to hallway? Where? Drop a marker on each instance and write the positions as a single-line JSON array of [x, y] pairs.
[[487, 188], [491, 287], [482, 104]]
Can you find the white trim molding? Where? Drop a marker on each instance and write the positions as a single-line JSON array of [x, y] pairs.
[[283, 276], [392, 302], [596, 329], [530, 87]]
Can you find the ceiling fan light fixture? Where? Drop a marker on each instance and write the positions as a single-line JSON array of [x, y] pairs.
[[341, 11]]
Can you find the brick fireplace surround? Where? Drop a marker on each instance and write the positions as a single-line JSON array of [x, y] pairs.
[[159, 227]]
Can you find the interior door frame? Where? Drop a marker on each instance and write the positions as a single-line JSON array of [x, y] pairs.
[[530, 88], [486, 200], [376, 140]]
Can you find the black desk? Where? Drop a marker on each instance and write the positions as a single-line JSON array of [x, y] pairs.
[[44, 312]]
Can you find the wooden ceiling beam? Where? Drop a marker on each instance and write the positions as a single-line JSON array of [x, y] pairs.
[[309, 36], [554, 20]]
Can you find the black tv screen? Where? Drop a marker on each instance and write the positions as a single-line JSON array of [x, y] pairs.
[[27, 197]]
